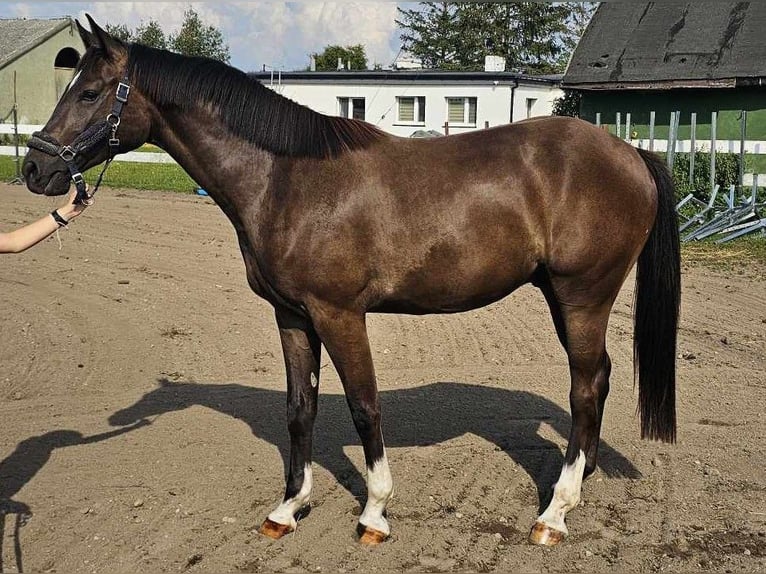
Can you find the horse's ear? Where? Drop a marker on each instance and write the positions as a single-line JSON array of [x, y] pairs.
[[87, 37], [102, 39]]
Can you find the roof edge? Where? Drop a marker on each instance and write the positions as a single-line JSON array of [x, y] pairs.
[[68, 21], [408, 76], [653, 85]]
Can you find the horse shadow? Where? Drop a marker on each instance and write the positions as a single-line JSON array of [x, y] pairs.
[[18, 468], [421, 416]]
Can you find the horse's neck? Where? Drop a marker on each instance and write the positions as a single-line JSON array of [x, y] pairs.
[[227, 167]]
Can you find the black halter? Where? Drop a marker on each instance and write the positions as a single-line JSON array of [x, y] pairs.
[[91, 138]]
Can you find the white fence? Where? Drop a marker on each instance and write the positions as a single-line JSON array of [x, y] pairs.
[[133, 156], [757, 147]]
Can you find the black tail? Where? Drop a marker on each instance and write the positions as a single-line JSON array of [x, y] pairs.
[[657, 302]]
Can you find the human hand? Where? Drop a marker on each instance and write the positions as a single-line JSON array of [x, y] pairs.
[[70, 209]]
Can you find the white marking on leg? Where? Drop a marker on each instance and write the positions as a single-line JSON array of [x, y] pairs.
[[380, 487], [566, 495], [314, 380], [285, 512]]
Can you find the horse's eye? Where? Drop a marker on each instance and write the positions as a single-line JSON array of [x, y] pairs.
[[89, 96]]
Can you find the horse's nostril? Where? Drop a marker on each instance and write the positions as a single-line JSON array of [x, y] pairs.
[[29, 170]]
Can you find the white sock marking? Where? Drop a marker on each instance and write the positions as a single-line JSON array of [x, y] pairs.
[[285, 512], [566, 495], [380, 487]]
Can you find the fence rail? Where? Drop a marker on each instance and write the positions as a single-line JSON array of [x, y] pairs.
[[754, 147], [722, 216], [29, 129], [624, 126]]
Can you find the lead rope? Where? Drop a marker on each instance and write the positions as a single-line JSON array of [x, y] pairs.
[[89, 198]]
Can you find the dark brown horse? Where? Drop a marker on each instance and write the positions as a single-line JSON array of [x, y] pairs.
[[336, 219]]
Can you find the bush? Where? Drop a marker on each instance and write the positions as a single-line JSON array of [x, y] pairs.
[[726, 173], [568, 104]]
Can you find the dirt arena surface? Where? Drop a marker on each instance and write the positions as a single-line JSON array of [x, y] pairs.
[[142, 419]]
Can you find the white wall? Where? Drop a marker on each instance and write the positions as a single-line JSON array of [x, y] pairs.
[[493, 101]]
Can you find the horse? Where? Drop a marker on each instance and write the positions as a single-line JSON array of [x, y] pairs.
[[336, 218]]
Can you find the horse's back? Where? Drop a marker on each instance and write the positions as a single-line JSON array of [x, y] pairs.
[[558, 186]]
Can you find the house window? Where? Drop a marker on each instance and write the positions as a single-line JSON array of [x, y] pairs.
[[531, 106], [461, 111], [351, 108], [412, 110]]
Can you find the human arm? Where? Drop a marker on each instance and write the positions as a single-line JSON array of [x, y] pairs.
[[25, 237]]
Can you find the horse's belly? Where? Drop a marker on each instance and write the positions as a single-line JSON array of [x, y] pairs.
[[454, 284]]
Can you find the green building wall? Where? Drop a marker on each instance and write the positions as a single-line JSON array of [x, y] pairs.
[[37, 79], [728, 102]]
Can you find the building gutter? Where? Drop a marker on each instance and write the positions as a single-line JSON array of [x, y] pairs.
[[513, 94], [652, 85], [757, 82]]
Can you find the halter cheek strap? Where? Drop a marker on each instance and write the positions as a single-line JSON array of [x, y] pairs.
[[88, 140]]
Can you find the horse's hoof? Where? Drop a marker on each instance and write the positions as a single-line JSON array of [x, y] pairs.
[[544, 535], [274, 530], [371, 537]]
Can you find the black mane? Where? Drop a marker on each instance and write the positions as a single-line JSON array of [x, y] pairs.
[[250, 110]]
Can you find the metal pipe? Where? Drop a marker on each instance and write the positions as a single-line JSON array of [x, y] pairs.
[[742, 133], [513, 93], [618, 124], [693, 147], [713, 126], [16, 130]]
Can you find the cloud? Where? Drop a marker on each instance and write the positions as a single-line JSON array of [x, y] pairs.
[[170, 15], [281, 35], [284, 35], [366, 23]]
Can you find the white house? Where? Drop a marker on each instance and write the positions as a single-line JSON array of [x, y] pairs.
[[407, 102]]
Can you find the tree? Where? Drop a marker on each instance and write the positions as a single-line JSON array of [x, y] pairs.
[[119, 31], [196, 39], [432, 33], [151, 34], [532, 36], [193, 39], [352, 57], [568, 104]]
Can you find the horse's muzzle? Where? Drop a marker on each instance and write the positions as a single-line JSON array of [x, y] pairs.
[[45, 177]]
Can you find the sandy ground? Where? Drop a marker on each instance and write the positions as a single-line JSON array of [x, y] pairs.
[[142, 419]]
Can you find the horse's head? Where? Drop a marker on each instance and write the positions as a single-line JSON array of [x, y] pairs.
[[90, 122]]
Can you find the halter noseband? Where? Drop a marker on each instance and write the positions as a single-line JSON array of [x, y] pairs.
[[91, 138]]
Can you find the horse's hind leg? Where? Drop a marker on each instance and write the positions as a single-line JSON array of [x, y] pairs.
[[344, 335], [582, 331], [302, 351]]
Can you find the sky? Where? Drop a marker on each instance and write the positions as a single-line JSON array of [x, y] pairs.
[[278, 35]]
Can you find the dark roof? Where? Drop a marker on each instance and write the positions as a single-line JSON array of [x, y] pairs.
[[19, 35], [408, 76], [674, 44]]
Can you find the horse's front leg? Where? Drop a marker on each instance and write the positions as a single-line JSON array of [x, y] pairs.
[[344, 335], [302, 351]]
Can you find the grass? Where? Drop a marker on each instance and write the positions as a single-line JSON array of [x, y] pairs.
[[160, 176], [745, 255]]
